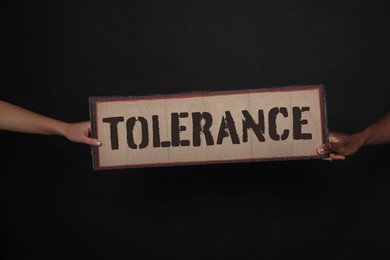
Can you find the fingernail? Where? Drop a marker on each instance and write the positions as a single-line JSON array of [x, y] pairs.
[[321, 150], [98, 143]]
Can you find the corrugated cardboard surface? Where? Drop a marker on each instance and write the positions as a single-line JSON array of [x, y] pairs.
[[219, 105]]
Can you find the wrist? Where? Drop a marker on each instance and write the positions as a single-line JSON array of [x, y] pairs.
[[61, 128], [363, 137]]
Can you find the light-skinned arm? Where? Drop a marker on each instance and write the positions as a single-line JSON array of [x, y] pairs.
[[17, 119]]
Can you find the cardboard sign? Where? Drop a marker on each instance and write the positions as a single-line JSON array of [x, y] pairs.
[[209, 127]]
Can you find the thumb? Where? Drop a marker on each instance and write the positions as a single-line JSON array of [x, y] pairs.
[[92, 141], [329, 147]]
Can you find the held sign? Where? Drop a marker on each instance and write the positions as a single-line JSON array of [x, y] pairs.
[[209, 127]]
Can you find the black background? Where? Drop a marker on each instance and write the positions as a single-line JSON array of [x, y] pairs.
[[55, 54]]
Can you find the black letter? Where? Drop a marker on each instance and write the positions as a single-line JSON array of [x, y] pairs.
[[248, 122], [113, 121], [156, 134], [177, 128], [272, 123], [197, 128], [228, 123], [298, 122], [156, 131], [130, 123]]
